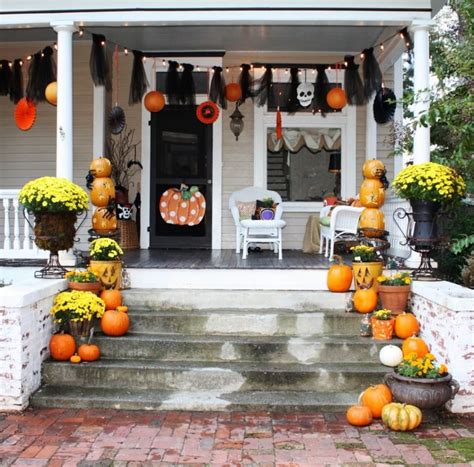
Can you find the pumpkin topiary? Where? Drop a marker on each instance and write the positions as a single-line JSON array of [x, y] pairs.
[[62, 346], [401, 417], [414, 345], [112, 298], [359, 415], [375, 398], [373, 169], [103, 191], [372, 193], [339, 277], [365, 300], [114, 323], [406, 325]]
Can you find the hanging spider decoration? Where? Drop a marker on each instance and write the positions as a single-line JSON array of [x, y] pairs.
[[90, 179], [110, 208]]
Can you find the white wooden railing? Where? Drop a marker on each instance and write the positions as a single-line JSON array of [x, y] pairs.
[[15, 232], [395, 237]]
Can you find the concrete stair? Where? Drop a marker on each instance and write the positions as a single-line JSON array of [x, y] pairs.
[[176, 358]]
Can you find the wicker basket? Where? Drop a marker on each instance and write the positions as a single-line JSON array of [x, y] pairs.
[[128, 236]]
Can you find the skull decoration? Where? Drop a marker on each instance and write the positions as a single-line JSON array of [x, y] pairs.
[[305, 93], [124, 211]]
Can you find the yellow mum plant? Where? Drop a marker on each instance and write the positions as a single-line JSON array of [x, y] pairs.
[[76, 306], [430, 182], [400, 278], [52, 194], [105, 249], [413, 366]]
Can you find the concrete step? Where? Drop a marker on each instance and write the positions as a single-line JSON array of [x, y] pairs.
[[207, 376], [280, 349], [244, 322]]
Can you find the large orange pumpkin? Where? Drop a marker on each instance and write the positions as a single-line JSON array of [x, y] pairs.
[[359, 415], [112, 298], [372, 222], [176, 210], [114, 323], [365, 300], [102, 221], [414, 345], [62, 347], [336, 98], [339, 276], [233, 92], [103, 190], [101, 167], [154, 101], [373, 169], [372, 193], [375, 398], [89, 352], [406, 325]]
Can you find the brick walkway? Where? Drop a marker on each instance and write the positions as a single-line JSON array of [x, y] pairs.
[[57, 437]]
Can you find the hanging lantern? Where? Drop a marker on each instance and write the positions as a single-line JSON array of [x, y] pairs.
[[154, 101], [336, 98], [51, 93], [233, 92], [236, 122]]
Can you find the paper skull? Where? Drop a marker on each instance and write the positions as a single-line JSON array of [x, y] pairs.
[[305, 92], [124, 211]]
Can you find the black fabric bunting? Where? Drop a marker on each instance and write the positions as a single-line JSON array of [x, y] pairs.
[[217, 88], [372, 73], [16, 83], [46, 73], [321, 89], [5, 77], [172, 83], [263, 87], [138, 83], [245, 82], [384, 105], [98, 63], [187, 89], [33, 86], [293, 103], [352, 83]]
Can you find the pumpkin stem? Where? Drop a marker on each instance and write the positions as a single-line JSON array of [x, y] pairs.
[[91, 335]]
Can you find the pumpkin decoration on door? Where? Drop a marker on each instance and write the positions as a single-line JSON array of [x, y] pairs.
[[185, 206]]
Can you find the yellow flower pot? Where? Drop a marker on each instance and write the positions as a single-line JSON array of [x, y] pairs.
[[365, 274], [108, 272]]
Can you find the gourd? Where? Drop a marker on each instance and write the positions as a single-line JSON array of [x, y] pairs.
[[375, 398], [75, 358], [103, 191], [372, 193], [401, 417], [414, 345], [114, 323], [103, 221], [101, 167], [178, 208], [390, 355], [339, 277], [233, 92], [112, 298], [89, 352], [359, 415], [373, 169], [365, 300], [62, 346], [406, 325], [372, 222]]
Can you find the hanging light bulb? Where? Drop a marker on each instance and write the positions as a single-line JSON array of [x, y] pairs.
[[55, 45], [382, 47], [81, 32], [125, 51]]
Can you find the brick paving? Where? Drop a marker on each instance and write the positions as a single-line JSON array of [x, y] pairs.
[[65, 437]]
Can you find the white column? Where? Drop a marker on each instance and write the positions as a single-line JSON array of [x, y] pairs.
[[421, 141], [370, 131], [98, 127], [64, 127], [398, 119]]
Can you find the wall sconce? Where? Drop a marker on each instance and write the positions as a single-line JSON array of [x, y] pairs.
[[236, 122]]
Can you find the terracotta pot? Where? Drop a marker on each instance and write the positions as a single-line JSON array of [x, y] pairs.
[[366, 274], [423, 393], [55, 231], [382, 329], [80, 328], [108, 272], [394, 297], [93, 287]]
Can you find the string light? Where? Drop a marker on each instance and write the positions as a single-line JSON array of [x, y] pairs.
[[125, 51], [197, 68], [81, 32], [102, 43], [55, 45], [227, 70], [21, 62], [144, 59], [362, 56], [313, 71], [382, 47], [28, 58]]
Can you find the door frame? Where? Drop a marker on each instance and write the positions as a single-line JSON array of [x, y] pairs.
[[216, 155]]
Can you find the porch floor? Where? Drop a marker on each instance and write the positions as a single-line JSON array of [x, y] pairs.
[[222, 259]]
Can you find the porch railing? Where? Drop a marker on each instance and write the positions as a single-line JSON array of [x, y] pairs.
[[395, 237]]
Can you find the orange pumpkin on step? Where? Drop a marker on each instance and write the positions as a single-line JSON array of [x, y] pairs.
[[414, 345], [114, 323], [175, 209], [62, 347], [89, 352], [359, 415], [101, 167], [406, 325], [365, 300], [339, 276], [375, 398], [103, 190], [112, 298]]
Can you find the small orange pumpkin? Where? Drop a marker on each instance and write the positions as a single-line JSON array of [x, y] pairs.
[[359, 415], [62, 347], [102, 221], [372, 222], [101, 167], [233, 92], [174, 209], [339, 277], [336, 98], [89, 352], [154, 101], [75, 359], [372, 193], [365, 300], [112, 298], [375, 398], [114, 323], [103, 190], [406, 325], [414, 345], [122, 308], [373, 169], [51, 93]]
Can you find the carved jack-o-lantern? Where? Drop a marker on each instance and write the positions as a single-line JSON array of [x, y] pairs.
[[372, 222], [372, 193], [109, 273], [103, 220], [182, 207], [103, 190]]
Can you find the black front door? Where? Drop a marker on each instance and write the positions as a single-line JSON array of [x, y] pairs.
[[181, 152]]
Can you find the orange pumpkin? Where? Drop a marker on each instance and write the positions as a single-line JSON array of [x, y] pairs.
[[154, 101], [112, 298], [75, 359], [102, 221], [62, 346], [122, 308], [339, 276], [51, 93], [372, 222], [365, 300], [373, 169], [375, 398], [114, 323], [89, 352], [336, 98], [176, 210], [414, 345], [372, 193], [406, 325], [359, 415], [233, 92], [101, 167], [103, 190]]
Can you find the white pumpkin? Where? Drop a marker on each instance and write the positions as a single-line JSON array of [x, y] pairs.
[[391, 355]]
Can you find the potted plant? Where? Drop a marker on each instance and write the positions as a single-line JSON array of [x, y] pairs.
[[86, 281], [394, 291], [105, 262], [422, 381], [382, 324], [76, 311], [367, 266]]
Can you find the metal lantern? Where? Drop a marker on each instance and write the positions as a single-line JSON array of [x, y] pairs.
[[236, 122]]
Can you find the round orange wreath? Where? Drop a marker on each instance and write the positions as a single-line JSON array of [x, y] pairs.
[[207, 112], [25, 114]]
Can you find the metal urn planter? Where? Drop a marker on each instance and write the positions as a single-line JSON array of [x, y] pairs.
[[422, 393]]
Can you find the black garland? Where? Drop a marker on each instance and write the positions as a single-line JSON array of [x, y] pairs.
[[138, 83], [293, 103], [172, 83], [372, 73], [321, 89], [46, 73], [245, 82], [98, 64], [352, 83], [217, 88], [33, 86], [263, 87], [16, 84], [187, 89], [385, 103], [5, 77]]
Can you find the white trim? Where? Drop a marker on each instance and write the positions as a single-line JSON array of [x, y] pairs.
[[98, 121], [398, 118], [302, 206]]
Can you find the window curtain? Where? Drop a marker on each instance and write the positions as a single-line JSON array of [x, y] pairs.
[[328, 139]]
